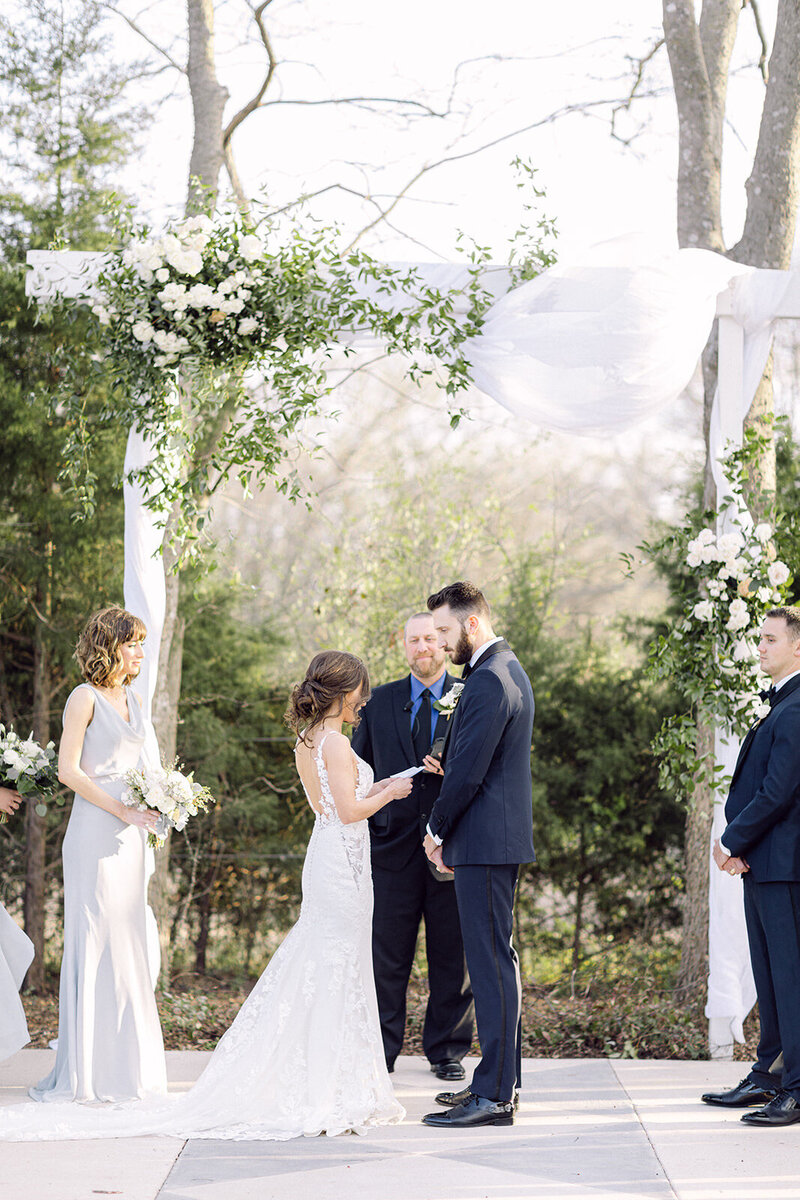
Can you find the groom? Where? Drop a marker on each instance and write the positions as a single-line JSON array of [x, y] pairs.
[[481, 826]]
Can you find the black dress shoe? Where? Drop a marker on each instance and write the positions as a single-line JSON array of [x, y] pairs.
[[743, 1095], [449, 1068], [782, 1109], [451, 1099], [472, 1112]]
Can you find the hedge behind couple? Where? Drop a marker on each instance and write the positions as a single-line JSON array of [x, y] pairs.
[[304, 1055]]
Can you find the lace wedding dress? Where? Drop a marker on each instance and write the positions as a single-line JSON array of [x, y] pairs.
[[304, 1055]]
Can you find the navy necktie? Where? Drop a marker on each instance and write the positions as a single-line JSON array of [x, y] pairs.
[[421, 731]]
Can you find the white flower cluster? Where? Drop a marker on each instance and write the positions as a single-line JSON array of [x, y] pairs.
[[174, 795], [158, 301], [740, 578], [23, 757]]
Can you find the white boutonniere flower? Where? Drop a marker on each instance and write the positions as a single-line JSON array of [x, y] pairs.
[[449, 700]]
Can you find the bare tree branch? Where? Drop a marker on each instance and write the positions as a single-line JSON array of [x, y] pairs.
[[638, 78], [272, 64], [763, 63], [112, 8]]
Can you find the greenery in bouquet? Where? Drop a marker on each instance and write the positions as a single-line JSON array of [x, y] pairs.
[[174, 795], [26, 767], [727, 582]]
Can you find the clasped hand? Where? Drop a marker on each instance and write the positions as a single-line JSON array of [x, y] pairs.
[[9, 801], [727, 863]]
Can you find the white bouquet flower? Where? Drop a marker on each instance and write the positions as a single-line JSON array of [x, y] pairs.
[[449, 700], [175, 796], [26, 767]]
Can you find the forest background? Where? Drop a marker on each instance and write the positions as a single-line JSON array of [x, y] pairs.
[[398, 502]]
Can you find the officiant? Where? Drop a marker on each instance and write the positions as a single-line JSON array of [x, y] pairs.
[[399, 726]]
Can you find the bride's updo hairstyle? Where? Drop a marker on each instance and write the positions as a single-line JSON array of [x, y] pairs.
[[330, 676], [97, 652]]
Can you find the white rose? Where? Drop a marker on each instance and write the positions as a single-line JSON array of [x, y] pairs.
[[251, 247], [223, 256], [162, 274], [764, 595], [743, 650], [703, 611], [693, 560], [142, 331], [763, 532], [739, 617], [200, 295], [729, 545], [778, 573], [234, 305], [705, 536], [247, 326]]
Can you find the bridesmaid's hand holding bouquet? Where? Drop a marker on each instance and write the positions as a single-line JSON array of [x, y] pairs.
[[26, 768], [175, 796]]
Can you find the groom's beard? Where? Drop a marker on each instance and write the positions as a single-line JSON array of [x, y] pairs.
[[462, 652]]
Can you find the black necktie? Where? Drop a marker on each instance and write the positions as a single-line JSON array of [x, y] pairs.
[[421, 731]]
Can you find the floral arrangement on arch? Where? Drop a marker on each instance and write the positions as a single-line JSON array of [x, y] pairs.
[[203, 291], [729, 582]]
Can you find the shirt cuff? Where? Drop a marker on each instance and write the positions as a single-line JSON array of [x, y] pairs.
[[436, 839], [725, 850]]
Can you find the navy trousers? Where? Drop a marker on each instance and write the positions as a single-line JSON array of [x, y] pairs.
[[402, 900], [772, 913], [485, 897]]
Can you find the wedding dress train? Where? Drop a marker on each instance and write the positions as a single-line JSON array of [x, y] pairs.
[[304, 1055]]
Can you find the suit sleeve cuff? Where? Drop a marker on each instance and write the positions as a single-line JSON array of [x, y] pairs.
[[725, 850], [435, 837]]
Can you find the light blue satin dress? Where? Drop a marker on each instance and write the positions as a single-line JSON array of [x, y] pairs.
[[109, 1036]]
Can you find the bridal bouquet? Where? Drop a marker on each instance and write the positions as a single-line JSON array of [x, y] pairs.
[[26, 767], [174, 795]]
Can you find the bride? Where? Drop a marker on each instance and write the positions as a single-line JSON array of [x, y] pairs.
[[304, 1055]]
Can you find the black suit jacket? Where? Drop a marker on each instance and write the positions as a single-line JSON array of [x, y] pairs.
[[763, 805], [383, 739], [484, 813]]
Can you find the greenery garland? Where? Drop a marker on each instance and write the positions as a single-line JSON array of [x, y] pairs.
[[727, 583]]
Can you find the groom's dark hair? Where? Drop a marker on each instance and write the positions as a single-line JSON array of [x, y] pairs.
[[463, 599]]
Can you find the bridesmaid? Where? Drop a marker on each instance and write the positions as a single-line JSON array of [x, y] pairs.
[[109, 1037], [16, 955]]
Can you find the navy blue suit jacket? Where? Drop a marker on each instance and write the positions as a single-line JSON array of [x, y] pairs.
[[483, 813], [763, 806], [383, 739]]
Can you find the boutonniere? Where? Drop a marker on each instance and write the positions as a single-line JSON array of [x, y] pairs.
[[761, 710], [449, 700]]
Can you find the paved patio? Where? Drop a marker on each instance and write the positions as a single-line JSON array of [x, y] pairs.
[[587, 1129]]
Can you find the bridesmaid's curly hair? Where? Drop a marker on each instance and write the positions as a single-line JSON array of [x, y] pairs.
[[97, 652], [330, 676]]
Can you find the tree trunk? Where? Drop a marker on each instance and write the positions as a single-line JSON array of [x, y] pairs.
[[693, 971], [35, 835]]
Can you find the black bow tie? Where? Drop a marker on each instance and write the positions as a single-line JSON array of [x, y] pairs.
[[769, 695]]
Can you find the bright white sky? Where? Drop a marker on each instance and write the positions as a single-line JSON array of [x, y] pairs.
[[558, 55]]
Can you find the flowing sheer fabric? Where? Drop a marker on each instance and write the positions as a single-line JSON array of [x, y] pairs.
[[304, 1055], [16, 955]]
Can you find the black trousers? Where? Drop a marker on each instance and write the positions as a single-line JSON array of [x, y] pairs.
[[772, 913], [403, 899], [486, 904]]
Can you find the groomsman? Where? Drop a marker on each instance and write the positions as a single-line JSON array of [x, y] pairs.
[[481, 825], [398, 726], [761, 842]]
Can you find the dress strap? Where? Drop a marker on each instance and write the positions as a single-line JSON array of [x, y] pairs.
[[325, 794]]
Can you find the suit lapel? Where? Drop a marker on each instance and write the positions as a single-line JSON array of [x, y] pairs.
[[442, 723], [782, 695], [401, 695]]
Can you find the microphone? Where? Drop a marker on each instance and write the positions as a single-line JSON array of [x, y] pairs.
[[408, 707]]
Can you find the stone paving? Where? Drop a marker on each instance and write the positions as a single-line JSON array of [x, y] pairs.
[[587, 1129]]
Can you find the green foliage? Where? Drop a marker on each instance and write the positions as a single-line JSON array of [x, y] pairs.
[[241, 862], [720, 588]]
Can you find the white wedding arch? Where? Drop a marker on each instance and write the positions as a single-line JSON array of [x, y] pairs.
[[587, 347]]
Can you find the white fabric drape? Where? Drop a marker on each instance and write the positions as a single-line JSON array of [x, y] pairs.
[[16, 955]]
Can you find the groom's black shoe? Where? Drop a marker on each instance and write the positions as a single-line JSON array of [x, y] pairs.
[[451, 1099], [449, 1069], [473, 1112], [743, 1095], [783, 1109]]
